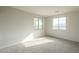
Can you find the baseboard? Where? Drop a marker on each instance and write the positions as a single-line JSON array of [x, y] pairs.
[[9, 45], [38, 37], [61, 38], [16, 43]]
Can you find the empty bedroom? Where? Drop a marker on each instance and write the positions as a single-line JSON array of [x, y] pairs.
[[39, 29]]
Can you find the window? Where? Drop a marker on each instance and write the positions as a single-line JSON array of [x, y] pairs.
[[38, 23], [59, 23]]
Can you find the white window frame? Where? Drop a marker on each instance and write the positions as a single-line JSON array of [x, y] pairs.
[[59, 27], [37, 27]]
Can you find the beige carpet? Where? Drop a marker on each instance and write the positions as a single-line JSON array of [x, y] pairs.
[[43, 45]]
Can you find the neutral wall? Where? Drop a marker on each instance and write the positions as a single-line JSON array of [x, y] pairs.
[[15, 26], [72, 32]]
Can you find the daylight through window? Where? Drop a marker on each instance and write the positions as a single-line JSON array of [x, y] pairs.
[[59, 23]]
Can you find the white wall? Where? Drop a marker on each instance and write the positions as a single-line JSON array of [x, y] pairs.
[[15, 26], [72, 32]]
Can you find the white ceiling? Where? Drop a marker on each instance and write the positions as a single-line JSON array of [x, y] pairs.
[[47, 10]]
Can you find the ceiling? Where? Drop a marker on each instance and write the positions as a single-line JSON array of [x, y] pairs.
[[47, 10]]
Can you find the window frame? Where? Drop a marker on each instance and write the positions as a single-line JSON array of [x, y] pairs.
[[59, 27], [38, 28]]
